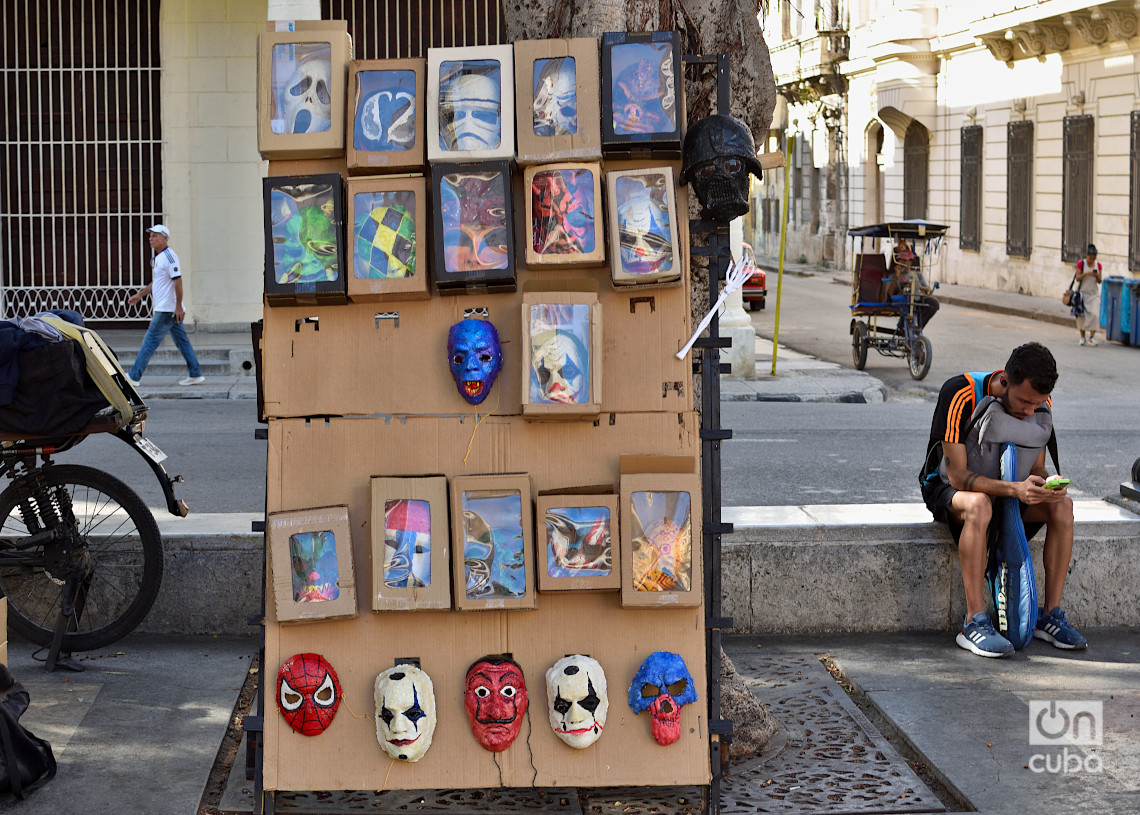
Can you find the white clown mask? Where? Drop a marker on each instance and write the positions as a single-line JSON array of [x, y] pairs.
[[405, 712], [307, 98], [470, 116], [577, 699]]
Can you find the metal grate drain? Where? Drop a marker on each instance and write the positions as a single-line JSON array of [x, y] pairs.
[[506, 801], [832, 761]]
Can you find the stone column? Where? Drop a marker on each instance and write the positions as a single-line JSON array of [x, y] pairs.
[[735, 321], [294, 10]]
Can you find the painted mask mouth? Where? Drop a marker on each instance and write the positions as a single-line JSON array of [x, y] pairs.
[[472, 387], [582, 731], [403, 742]]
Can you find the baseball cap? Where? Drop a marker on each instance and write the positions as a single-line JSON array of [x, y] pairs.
[[160, 229]]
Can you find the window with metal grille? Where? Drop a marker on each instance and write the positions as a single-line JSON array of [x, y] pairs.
[[970, 210], [916, 157], [1134, 194], [1019, 189], [1077, 200], [401, 29], [82, 177]]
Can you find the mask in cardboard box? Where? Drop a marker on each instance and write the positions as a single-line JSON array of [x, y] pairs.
[[642, 92], [554, 105], [557, 100], [493, 529], [410, 539], [474, 241], [386, 116], [304, 253], [311, 559], [643, 229], [563, 210], [471, 104], [388, 234]]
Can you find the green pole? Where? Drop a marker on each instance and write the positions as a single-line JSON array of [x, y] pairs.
[[783, 238]]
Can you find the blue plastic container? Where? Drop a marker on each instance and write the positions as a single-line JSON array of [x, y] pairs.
[[1132, 296], [1114, 329]]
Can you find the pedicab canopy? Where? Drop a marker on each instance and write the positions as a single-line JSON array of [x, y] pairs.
[[915, 228]]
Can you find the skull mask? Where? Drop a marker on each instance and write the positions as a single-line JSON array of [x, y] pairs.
[[475, 357], [469, 111], [719, 156], [387, 121], [405, 712], [308, 693], [555, 98], [662, 686], [579, 702], [496, 701], [307, 97]]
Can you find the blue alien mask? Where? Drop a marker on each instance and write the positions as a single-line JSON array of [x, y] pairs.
[[662, 686], [475, 357]]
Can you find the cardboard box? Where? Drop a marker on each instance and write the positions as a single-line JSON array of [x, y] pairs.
[[310, 560], [411, 566], [387, 231], [643, 227], [643, 94], [576, 537], [562, 349], [564, 215], [384, 130], [661, 535], [301, 77], [474, 222], [304, 239], [557, 100], [492, 542], [470, 104]]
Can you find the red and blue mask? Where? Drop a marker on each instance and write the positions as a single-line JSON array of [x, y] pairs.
[[662, 685]]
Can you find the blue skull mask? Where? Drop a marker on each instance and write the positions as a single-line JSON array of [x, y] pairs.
[[475, 357], [662, 685]]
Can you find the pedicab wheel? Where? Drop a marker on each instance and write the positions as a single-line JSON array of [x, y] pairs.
[[115, 545], [920, 357], [1136, 470], [859, 344]]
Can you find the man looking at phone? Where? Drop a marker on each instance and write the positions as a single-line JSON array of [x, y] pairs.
[[962, 499]]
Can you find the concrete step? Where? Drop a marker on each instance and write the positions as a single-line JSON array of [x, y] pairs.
[[168, 361]]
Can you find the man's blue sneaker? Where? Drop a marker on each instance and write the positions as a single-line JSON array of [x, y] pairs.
[[1054, 628], [978, 635]]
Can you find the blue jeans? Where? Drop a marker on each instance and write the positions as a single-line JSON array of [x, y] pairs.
[[161, 324]]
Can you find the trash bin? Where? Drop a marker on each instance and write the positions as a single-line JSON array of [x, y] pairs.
[[1114, 329], [1133, 287]]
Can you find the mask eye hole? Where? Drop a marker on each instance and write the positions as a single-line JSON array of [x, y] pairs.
[[706, 171], [485, 356], [290, 699], [678, 687], [301, 87], [482, 692], [650, 691], [457, 359], [509, 691], [732, 166]]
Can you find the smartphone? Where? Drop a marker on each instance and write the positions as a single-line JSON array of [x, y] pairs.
[[1055, 483]]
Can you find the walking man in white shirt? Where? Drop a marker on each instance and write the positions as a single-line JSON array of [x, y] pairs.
[[166, 288]]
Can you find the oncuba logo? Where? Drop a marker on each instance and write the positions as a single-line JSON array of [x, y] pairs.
[[1077, 723]]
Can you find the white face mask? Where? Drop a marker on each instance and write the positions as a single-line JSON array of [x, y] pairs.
[[577, 700], [307, 98], [405, 712], [470, 115]]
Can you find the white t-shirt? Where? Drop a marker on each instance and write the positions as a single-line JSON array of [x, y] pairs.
[[166, 271]]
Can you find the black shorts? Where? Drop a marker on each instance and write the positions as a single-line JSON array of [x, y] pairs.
[[938, 495]]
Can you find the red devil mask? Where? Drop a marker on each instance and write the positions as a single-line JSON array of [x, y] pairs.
[[308, 693], [495, 699]]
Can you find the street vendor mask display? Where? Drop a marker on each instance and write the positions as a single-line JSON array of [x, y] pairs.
[[559, 359], [644, 229], [405, 712], [719, 156], [495, 699], [578, 700], [475, 357], [470, 115], [662, 685], [308, 693]]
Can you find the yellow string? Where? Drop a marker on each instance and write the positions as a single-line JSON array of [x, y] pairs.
[[478, 422], [385, 785], [344, 702]]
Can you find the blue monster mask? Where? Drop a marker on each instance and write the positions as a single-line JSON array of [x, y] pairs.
[[662, 686], [475, 357]]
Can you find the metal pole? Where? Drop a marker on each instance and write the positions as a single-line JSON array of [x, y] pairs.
[[783, 239]]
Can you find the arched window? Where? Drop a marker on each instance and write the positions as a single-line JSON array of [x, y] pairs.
[[916, 157]]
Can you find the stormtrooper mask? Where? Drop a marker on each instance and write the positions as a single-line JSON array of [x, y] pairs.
[[386, 121], [308, 693], [719, 156], [475, 357], [405, 712], [307, 98], [643, 231], [555, 97], [579, 702], [662, 685], [469, 110], [495, 699]]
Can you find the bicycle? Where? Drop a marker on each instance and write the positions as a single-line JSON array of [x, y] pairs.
[[81, 556]]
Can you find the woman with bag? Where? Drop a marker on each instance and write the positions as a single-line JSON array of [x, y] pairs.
[[1085, 302]]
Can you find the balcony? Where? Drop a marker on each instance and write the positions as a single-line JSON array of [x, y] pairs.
[[1054, 26], [808, 69]]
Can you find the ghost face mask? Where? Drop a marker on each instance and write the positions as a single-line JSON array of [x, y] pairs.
[[475, 357], [308, 693], [662, 686], [496, 700], [307, 98], [579, 702], [405, 712]]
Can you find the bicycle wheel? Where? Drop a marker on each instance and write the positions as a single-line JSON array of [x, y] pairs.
[[920, 357], [118, 547], [859, 343]]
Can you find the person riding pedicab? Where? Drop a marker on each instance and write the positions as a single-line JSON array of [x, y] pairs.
[[904, 268]]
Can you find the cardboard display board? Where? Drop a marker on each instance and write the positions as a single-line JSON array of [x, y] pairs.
[[301, 89], [311, 563], [557, 100], [304, 239], [643, 227], [561, 342], [564, 211], [387, 232], [576, 542], [492, 542], [411, 544], [470, 104], [643, 94], [384, 129]]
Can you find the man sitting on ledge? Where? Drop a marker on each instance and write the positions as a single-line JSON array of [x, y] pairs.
[[963, 499]]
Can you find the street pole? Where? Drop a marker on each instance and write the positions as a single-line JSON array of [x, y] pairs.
[[783, 238]]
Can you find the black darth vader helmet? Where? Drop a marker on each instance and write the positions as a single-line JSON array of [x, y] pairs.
[[718, 157]]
